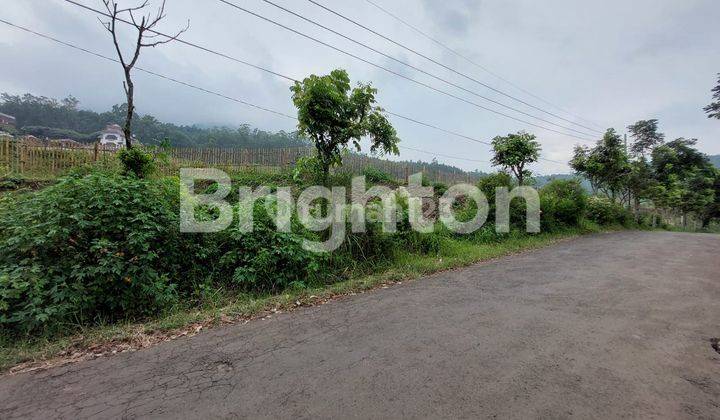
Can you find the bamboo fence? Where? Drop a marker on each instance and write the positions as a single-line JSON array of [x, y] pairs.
[[49, 160]]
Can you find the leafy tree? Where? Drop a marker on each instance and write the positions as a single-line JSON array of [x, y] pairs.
[[678, 158], [640, 178], [332, 115], [514, 152], [646, 136], [606, 165], [685, 177], [712, 211], [640, 182], [713, 110]]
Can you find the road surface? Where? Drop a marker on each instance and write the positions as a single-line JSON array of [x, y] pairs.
[[604, 326]]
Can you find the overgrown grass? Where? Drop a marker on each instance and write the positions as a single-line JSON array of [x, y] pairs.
[[226, 307], [108, 270]]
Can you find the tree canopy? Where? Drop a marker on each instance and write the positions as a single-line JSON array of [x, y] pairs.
[[606, 165], [514, 152], [646, 136], [685, 177], [677, 177], [333, 115], [713, 110]]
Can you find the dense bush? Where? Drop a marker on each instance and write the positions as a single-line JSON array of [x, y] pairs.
[[103, 246], [376, 176], [90, 247], [563, 204], [439, 188], [136, 161], [10, 183], [604, 211], [488, 185], [308, 169], [264, 259]]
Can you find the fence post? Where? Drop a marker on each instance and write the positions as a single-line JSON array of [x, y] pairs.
[[22, 158], [6, 153], [95, 152]]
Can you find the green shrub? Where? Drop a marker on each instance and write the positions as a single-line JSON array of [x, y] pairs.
[[264, 259], [308, 170], [440, 189], [563, 204], [487, 185], [518, 213], [604, 211], [11, 183], [89, 248], [377, 176], [252, 177], [487, 234], [136, 161]]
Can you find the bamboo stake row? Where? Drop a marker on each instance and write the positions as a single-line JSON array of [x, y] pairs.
[[51, 160]]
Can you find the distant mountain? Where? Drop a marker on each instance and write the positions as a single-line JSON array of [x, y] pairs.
[[715, 160], [58, 119]]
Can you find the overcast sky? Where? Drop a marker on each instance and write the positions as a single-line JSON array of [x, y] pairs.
[[611, 62]]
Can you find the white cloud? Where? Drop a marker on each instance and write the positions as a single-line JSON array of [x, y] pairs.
[[612, 61]]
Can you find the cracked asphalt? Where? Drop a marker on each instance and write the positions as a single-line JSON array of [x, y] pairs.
[[603, 326]]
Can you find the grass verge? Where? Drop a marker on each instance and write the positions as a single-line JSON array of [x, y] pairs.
[[38, 353]]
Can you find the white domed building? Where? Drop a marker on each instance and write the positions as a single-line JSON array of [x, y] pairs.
[[112, 136]]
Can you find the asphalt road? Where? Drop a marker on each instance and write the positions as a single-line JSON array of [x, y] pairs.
[[604, 326]]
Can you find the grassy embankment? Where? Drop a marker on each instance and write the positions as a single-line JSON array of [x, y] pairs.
[[229, 308], [107, 270]]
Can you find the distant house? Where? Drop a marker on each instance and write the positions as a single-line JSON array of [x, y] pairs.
[[6, 119], [112, 136]]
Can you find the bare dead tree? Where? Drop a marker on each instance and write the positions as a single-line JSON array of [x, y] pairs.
[[146, 37]]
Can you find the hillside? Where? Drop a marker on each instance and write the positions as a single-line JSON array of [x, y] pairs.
[[52, 118], [48, 117], [715, 159]]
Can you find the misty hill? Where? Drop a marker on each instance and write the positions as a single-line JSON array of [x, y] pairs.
[[52, 118], [542, 180], [715, 160], [55, 119]]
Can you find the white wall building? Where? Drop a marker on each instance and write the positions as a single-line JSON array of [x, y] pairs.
[[112, 136]]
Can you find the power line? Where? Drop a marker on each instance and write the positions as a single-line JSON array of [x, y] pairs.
[[220, 54], [456, 134], [419, 54], [201, 89], [425, 72], [189, 44], [474, 63], [251, 65], [67, 44], [445, 156], [410, 79]]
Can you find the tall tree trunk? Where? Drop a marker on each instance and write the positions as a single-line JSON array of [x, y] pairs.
[[129, 92]]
